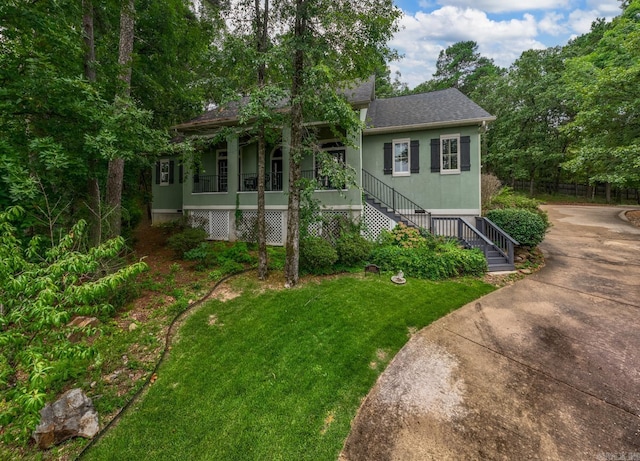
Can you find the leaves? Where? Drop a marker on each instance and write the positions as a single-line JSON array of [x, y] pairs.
[[41, 290]]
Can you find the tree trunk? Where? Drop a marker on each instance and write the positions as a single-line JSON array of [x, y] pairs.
[[607, 192], [261, 35], [123, 91], [292, 261], [93, 185]]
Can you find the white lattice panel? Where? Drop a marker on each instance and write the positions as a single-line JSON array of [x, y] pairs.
[[375, 222], [215, 223], [219, 225], [199, 218], [247, 227]]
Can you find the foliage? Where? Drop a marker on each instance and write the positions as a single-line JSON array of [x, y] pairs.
[[527, 227], [41, 290], [507, 198], [208, 255], [447, 260], [403, 236], [460, 66], [186, 240], [61, 127], [317, 255], [352, 248]]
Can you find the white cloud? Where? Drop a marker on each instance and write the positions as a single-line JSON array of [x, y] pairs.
[[504, 6], [552, 24], [424, 35]]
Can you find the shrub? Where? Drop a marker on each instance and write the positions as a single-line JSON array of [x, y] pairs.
[[186, 240], [403, 236], [527, 227], [238, 252], [204, 255], [316, 255], [352, 249], [449, 260]]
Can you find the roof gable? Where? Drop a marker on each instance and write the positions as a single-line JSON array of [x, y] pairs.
[[360, 94], [417, 110]]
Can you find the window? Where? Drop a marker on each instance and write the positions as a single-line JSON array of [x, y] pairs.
[[450, 154], [223, 171], [401, 157], [165, 173]]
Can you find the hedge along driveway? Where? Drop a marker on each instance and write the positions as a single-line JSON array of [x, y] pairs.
[[277, 375]]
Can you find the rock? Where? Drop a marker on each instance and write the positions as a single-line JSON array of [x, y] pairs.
[[133, 326], [525, 271], [72, 415], [81, 322]]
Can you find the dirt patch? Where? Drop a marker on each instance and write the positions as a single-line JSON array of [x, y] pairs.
[[223, 293]]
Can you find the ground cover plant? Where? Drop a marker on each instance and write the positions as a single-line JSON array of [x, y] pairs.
[[423, 255], [277, 374]]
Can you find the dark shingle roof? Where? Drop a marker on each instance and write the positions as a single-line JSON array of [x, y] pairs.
[[426, 108], [359, 94]]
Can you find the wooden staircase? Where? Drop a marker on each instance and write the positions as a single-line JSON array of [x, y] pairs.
[[497, 245]]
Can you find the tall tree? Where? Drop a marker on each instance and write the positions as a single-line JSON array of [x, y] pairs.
[[332, 42], [460, 66], [115, 175], [603, 84]]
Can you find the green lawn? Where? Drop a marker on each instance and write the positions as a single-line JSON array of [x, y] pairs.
[[277, 374]]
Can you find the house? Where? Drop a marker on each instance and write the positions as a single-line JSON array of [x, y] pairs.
[[417, 161]]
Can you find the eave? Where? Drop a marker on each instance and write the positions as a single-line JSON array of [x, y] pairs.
[[427, 126]]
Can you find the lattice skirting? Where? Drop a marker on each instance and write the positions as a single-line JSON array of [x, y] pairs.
[[328, 222], [247, 227], [375, 222], [215, 222]]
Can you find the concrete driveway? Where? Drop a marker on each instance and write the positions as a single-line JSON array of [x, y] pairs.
[[547, 368]]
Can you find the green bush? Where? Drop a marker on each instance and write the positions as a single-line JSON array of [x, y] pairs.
[[316, 255], [527, 227], [204, 255], [352, 249], [186, 240], [448, 261], [239, 253]]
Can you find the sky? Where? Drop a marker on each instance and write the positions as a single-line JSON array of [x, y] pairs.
[[503, 29]]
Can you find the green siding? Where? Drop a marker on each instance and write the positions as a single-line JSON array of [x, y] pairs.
[[432, 191], [167, 197]]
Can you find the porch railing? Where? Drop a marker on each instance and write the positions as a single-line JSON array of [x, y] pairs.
[[209, 183], [503, 242], [395, 202], [456, 227], [248, 182]]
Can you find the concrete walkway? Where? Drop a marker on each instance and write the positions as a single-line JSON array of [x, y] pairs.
[[548, 368]]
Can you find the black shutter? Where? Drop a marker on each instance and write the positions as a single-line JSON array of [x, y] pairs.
[[180, 173], [465, 153], [158, 172], [171, 166], [435, 155], [388, 158], [415, 156]]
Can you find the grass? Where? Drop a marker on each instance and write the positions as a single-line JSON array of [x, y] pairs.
[[277, 375]]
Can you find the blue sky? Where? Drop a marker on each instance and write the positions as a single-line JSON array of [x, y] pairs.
[[503, 29]]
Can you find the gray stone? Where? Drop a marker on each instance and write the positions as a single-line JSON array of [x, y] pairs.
[[72, 415]]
